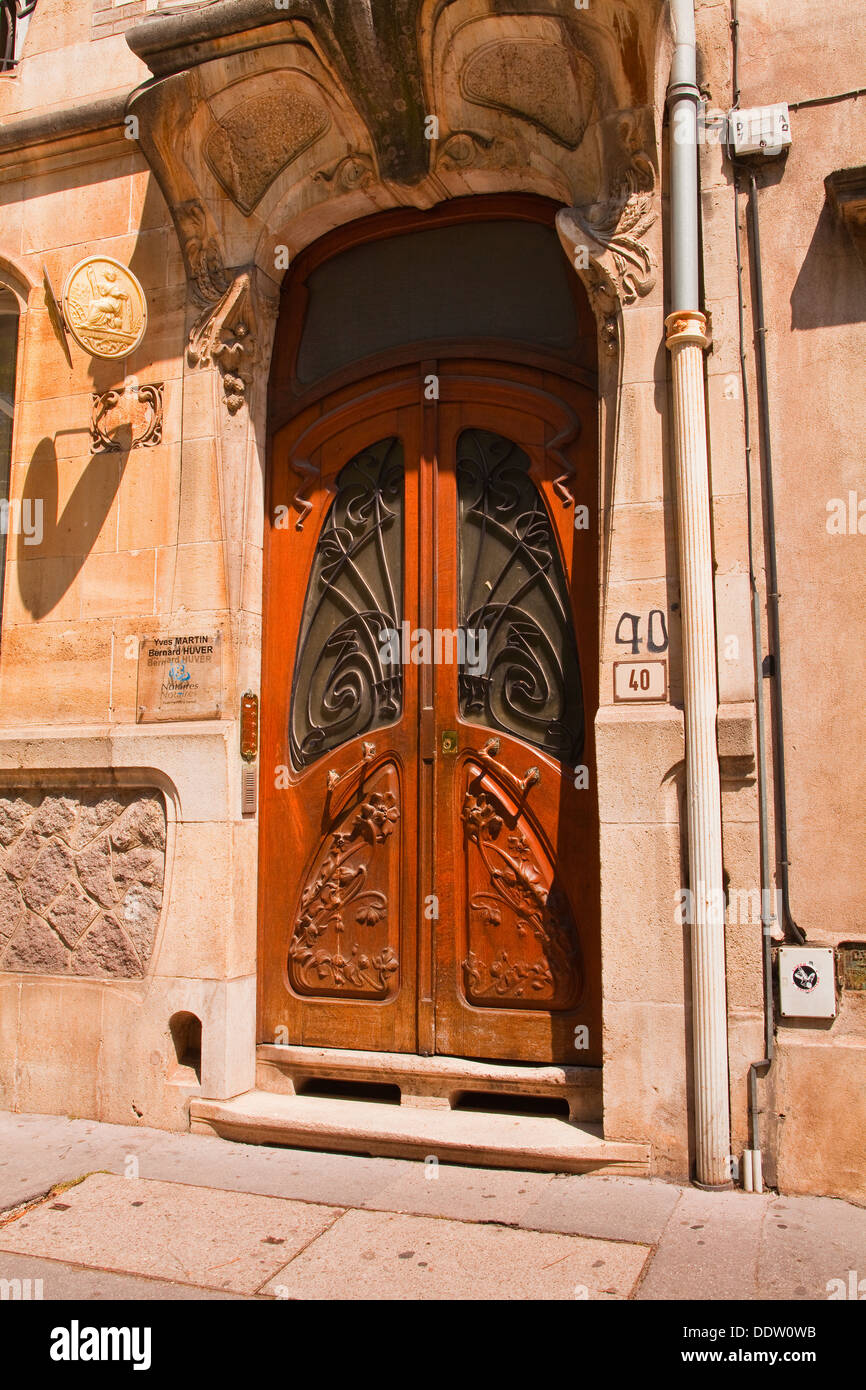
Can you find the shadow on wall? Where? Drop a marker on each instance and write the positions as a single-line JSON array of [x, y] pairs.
[[831, 286], [69, 536]]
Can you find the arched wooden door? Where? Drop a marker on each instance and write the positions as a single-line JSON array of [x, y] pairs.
[[429, 838]]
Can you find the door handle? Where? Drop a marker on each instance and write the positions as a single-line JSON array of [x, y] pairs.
[[488, 756]]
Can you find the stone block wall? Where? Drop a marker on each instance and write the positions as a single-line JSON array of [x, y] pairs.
[[81, 881]]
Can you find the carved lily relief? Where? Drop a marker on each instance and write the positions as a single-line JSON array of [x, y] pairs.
[[335, 946], [516, 906]]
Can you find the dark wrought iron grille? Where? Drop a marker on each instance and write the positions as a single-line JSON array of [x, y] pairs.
[[513, 588], [348, 679]]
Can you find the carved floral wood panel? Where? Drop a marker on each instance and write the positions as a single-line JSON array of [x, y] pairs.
[[345, 942], [522, 943]]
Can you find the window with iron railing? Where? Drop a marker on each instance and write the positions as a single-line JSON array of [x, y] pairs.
[[14, 19]]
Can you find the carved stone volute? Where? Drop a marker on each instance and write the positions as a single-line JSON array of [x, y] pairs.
[[606, 240]]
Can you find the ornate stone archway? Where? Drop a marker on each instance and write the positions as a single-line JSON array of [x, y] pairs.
[[266, 128]]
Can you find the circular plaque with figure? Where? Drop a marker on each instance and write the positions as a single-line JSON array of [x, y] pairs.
[[104, 307]]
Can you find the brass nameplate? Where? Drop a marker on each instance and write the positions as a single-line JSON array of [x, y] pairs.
[[249, 726], [180, 677], [852, 957]]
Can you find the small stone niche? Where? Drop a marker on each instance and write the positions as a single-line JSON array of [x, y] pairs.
[[82, 875], [185, 1031]]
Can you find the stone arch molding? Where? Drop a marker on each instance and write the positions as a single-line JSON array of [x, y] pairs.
[[266, 127], [15, 276]]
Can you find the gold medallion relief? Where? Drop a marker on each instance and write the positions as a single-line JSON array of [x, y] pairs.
[[104, 307]]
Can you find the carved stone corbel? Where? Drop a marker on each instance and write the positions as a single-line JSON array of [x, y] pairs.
[[224, 336], [603, 243], [201, 251], [605, 240]]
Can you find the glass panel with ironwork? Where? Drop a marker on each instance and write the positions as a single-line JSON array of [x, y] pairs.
[[521, 673], [471, 282], [348, 676]]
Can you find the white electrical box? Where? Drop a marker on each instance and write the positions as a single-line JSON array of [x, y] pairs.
[[762, 130], [807, 981]]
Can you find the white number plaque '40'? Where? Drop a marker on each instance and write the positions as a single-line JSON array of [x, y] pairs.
[[640, 680]]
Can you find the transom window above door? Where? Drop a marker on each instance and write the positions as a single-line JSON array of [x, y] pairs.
[[430, 287]]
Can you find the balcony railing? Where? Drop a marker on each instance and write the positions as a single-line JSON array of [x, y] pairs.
[[14, 18]]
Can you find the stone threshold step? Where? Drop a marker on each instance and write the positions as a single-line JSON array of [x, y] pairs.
[[391, 1131], [288, 1069]]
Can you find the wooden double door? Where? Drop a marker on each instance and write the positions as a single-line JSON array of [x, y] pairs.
[[429, 838]]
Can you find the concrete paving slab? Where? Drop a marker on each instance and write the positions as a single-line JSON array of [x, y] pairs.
[[464, 1194], [37, 1151], [51, 1281], [383, 1255], [709, 1248], [192, 1235], [809, 1248], [201, 1239], [612, 1208]]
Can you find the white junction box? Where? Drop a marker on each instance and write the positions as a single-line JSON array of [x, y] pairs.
[[764, 130], [807, 981]]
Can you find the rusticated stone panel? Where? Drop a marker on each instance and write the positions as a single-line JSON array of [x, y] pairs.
[[260, 136], [81, 881]]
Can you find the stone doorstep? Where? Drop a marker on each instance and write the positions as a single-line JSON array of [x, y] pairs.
[[391, 1131], [429, 1082]]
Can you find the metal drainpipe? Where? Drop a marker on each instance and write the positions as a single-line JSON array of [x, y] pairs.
[[687, 340], [753, 1179], [771, 931]]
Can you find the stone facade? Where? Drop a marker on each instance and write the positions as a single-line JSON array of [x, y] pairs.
[[205, 147]]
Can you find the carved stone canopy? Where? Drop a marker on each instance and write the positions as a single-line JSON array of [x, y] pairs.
[[266, 126]]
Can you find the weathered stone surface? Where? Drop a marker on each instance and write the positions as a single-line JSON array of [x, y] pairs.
[[141, 865], [35, 947], [142, 823], [21, 855], [11, 907], [56, 816], [14, 812], [47, 878], [541, 82], [71, 913], [140, 916], [52, 899], [106, 950], [94, 817], [94, 871], [262, 135]]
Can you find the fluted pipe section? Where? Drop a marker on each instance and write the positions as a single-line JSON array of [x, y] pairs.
[[686, 338]]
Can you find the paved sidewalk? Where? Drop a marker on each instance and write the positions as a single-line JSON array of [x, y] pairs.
[[150, 1215]]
